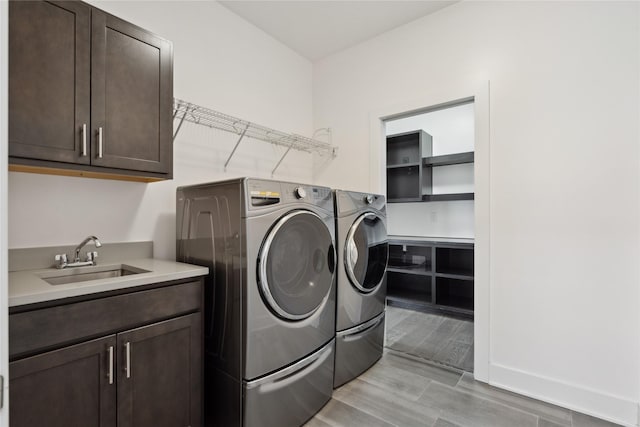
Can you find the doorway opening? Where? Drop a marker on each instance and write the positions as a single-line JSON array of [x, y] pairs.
[[429, 173]]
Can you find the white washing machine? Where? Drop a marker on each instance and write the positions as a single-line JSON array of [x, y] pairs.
[[363, 251], [269, 299]]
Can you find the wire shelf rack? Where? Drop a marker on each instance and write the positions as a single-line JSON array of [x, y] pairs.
[[186, 111]]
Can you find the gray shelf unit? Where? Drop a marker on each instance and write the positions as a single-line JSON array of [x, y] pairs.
[[431, 275], [410, 167], [447, 197], [448, 159], [428, 163], [406, 181]]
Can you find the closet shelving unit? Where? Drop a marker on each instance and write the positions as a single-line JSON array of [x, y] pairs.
[[187, 111], [410, 168], [431, 274]]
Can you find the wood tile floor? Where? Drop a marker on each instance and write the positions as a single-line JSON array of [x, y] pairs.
[[444, 340], [404, 390]]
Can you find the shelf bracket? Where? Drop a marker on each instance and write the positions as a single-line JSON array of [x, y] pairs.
[[235, 147], [329, 134], [181, 121], [282, 158]]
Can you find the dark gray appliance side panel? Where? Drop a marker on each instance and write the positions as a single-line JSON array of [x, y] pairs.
[[210, 233], [223, 404]]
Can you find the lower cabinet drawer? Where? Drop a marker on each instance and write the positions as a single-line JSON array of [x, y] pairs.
[[292, 395], [55, 327], [357, 349]]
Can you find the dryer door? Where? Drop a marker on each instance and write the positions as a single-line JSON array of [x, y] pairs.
[[296, 265], [366, 252]]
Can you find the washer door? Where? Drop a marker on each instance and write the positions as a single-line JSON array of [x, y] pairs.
[[296, 265], [366, 252]]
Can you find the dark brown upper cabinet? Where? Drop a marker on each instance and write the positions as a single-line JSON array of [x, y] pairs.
[[49, 80], [89, 94], [131, 96]]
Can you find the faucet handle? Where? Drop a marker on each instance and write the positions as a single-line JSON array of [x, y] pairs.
[[61, 260], [91, 257]]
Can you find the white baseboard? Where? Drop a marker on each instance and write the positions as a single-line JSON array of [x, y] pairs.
[[592, 402]]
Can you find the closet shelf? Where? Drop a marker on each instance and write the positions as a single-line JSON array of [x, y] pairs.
[[448, 159], [186, 111]]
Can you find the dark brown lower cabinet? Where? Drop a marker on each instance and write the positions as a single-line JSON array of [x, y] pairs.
[[158, 385], [65, 387], [146, 374]]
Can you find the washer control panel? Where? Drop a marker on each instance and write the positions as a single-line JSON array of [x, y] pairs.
[[300, 192], [263, 193], [305, 193]]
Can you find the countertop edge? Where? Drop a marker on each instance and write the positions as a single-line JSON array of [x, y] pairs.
[[26, 287]]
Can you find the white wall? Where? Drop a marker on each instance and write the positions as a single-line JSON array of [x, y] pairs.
[[452, 131], [433, 219], [221, 62], [564, 177], [450, 128]]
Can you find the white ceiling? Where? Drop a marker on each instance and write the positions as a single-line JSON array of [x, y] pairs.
[[318, 28]]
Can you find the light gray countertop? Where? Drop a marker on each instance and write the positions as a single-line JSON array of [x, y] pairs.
[[28, 286]]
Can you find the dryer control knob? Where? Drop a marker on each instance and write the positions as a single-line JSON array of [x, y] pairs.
[[368, 199], [300, 193]]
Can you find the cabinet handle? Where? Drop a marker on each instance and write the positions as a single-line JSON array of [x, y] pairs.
[[100, 142], [127, 353], [84, 140], [110, 373]]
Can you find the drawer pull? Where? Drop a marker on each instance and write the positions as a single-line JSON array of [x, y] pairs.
[[84, 140], [127, 366], [100, 137], [110, 373]]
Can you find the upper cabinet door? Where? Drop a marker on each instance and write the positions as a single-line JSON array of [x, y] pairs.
[[132, 96], [49, 87]]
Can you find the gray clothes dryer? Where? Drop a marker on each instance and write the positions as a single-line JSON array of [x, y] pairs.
[[269, 297], [363, 251]]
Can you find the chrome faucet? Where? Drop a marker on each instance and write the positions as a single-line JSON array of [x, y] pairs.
[[84, 242], [61, 260]]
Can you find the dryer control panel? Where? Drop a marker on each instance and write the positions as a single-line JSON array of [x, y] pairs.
[[351, 202]]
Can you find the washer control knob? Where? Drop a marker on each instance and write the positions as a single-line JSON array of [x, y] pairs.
[[300, 193], [368, 199]]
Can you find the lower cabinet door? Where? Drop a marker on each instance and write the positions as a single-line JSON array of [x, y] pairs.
[[160, 374], [72, 386]]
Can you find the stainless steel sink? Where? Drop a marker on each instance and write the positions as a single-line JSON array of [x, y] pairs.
[[85, 274]]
